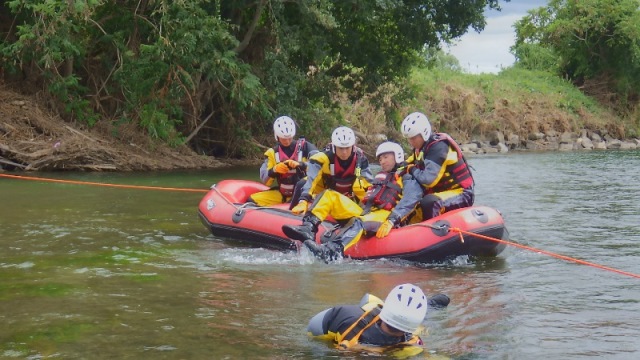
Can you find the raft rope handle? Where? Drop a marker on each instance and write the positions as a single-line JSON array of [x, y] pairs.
[[440, 227], [242, 207], [251, 206]]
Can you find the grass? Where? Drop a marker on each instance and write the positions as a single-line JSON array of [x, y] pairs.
[[517, 101]]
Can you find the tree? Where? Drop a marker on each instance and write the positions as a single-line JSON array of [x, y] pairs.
[[593, 42], [216, 73]]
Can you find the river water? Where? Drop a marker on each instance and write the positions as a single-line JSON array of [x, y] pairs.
[[91, 272]]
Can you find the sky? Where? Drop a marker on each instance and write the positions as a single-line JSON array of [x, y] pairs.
[[489, 50]]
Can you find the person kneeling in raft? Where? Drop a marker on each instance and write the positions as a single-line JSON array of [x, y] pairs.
[[390, 199], [391, 327]]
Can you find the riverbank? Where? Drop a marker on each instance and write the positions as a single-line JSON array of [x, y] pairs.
[[33, 139]]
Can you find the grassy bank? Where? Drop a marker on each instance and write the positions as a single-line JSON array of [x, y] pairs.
[[517, 101]]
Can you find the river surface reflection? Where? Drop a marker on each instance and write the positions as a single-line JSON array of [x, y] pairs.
[[97, 272]]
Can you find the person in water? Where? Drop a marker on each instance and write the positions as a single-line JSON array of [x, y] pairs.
[[341, 166], [438, 165], [376, 326], [387, 202], [284, 163]]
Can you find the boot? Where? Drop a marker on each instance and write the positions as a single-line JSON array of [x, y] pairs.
[[326, 252], [304, 232]]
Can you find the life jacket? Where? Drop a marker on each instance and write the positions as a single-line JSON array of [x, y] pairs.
[[456, 175], [342, 179], [288, 180], [384, 193], [350, 338]]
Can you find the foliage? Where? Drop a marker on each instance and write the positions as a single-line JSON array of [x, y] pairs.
[[437, 59], [535, 57], [386, 37], [216, 73], [516, 100], [50, 37], [593, 41]]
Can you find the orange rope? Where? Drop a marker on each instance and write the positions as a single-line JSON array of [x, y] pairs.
[[567, 258], [460, 231], [102, 184]]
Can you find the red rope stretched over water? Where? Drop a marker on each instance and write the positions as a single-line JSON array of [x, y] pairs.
[[563, 257], [102, 184], [458, 230]]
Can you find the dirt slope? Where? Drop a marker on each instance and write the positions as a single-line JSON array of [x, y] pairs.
[[31, 138]]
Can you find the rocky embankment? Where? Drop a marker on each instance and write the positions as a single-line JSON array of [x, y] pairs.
[[497, 142]]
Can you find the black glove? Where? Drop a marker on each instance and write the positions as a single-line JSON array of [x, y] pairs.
[[438, 301]]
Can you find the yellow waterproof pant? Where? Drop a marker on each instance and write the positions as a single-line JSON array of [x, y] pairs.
[[268, 198], [332, 203]]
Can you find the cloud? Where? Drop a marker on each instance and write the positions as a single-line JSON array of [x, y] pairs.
[[489, 50]]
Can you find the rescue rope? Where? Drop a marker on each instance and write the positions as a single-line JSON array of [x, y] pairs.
[[549, 253], [77, 182], [245, 207]]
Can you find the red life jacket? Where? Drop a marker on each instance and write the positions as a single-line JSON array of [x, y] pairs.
[[456, 175], [384, 192], [288, 180], [342, 179]]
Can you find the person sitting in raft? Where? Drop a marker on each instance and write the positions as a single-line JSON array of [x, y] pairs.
[[389, 200], [285, 162], [438, 165], [391, 327], [341, 166]]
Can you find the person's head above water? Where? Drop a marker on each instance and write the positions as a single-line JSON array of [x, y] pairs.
[[404, 308]]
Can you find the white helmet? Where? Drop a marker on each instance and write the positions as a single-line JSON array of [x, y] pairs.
[[343, 137], [414, 124], [284, 127], [391, 147], [404, 308]]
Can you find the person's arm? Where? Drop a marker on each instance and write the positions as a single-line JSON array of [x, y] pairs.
[[264, 172], [411, 195], [316, 324], [267, 175], [314, 175], [434, 165]]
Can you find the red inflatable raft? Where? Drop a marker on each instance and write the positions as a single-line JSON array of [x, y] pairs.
[[224, 212]]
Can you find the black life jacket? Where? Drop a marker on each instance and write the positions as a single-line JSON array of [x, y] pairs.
[[384, 192], [352, 334], [288, 180], [456, 175], [350, 339]]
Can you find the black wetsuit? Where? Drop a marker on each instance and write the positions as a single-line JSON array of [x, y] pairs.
[[338, 319]]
